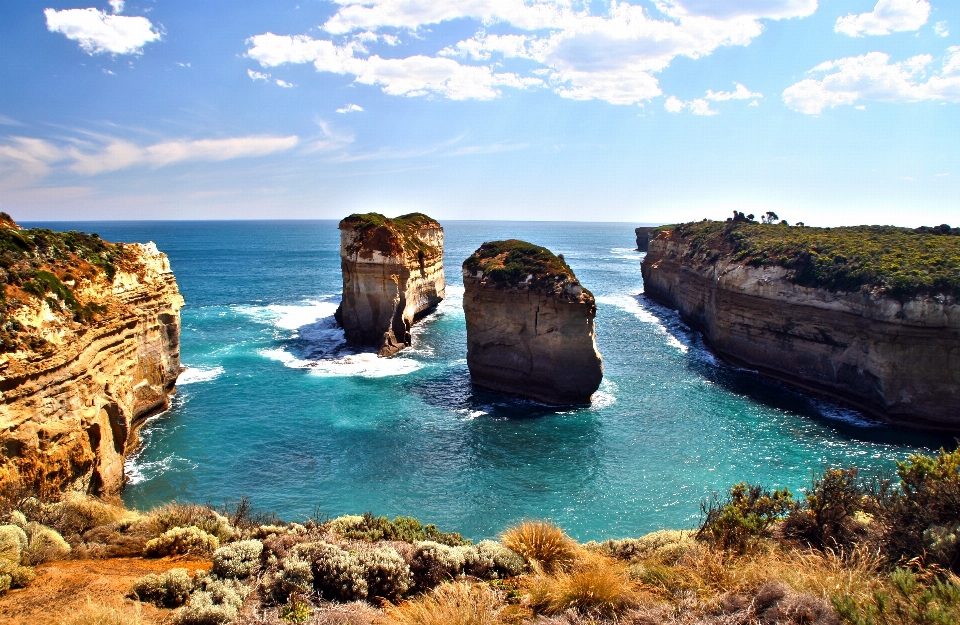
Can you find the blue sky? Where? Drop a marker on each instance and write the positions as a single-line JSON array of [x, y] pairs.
[[832, 112]]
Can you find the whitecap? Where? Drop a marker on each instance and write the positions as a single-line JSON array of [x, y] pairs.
[[366, 365], [193, 375], [290, 316], [139, 472], [668, 324]]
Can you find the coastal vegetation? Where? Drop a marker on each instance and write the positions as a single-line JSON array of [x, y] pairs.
[[390, 236], [849, 550], [898, 262], [40, 264], [512, 262]]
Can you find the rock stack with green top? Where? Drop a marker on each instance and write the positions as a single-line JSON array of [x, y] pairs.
[[529, 324], [392, 276]]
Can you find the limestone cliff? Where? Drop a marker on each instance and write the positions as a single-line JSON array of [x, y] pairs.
[[824, 310], [90, 335], [643, 237], [530, 328], [392, 276]]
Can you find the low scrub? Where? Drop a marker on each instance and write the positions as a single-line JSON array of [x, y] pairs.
[[457, 603], [181, 541], [593, 585]]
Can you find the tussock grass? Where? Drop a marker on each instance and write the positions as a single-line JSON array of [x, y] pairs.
[[118, 613], [541, 542], [457, 603], [594, 584]]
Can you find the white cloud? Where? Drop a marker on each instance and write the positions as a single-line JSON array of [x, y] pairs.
[[701, 106], [257, 75], [24, 160], [941, 29], [611, 56], [351, 108], [9, 121], [411, 76], [97, 32], [117, 5], [888, 16], [740, 93], [872, 77], [284, 84]]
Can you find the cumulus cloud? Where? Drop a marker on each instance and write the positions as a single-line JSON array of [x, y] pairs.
[[578, 53], [889, 16], [257, 75], [351, 108], [941, 29], [100, 33], [872, 77], [701, 106], [284, 84], [117, 5]]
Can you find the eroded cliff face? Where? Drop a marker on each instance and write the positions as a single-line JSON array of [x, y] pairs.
[[69, 412], [533, 336], [392, 277], [896, 360]]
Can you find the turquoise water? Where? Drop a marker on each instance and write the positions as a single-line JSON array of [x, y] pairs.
[[274, 408]]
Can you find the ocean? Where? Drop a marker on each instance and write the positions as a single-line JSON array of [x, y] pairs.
[[273, 407]]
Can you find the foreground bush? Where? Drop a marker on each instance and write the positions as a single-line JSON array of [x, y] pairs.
[[181, 541], [458, 603], [748, 513], [541, 542], [594, 585], [406, 529], [169, 590]]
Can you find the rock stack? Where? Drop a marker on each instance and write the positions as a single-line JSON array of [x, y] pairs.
[[392, 276], [530, 325]]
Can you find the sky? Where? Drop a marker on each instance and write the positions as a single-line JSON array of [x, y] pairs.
[[830, 112]]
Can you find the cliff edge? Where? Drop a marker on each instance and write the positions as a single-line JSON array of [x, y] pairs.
[[868, 315], [530, 328], [392, 276], [90, 341]]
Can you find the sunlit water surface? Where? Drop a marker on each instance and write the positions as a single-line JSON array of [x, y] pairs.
[[272, 405]]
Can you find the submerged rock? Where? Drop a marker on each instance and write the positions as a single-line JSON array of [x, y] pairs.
[[529, 324], [392, 276]]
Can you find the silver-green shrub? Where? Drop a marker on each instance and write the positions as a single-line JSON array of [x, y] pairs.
[[386, 572], [432, 563], [341, 525], [168, 590], [494, 561], [181, 541], [666, 545], [215, 602], [337, 574], [44, 544], [237, 560], [294, 576], [13, 542]]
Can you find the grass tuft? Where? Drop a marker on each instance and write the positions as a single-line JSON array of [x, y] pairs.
[[457, 603], [540, 542]]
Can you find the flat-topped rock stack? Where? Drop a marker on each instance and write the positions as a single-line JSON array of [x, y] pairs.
[[392, 276], [530, 329]]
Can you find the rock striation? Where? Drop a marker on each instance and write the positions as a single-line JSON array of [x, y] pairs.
[[91, 342], [392, 277], [530, 324], [894, 356]]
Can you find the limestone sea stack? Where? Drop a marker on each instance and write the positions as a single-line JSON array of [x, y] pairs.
[[868, 316], [392, 277], [530, 328], [90, 341]]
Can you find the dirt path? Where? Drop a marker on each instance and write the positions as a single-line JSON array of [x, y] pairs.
[[63, 588]]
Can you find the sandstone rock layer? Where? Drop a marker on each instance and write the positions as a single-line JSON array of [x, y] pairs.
[[392, 277], [896, 360], [530, 325], [69, 414]]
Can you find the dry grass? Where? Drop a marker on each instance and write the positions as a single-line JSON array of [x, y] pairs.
[[541, 542], [118, 613], [594, 584], [458, 603]]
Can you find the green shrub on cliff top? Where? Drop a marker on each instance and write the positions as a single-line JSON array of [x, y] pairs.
[[510, 262], [407, 529], [900, 262], [379, 232]]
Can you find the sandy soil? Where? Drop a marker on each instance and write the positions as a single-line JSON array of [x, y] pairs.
[[63, 588]]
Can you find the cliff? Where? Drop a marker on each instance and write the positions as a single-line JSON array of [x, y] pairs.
[[392, 276], [530, 328], [868, 316], [90, 334], [643, 237]]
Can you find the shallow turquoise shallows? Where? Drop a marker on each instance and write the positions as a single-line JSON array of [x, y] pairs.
[[274, 408]]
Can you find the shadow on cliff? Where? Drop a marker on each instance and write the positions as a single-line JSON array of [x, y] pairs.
[[846, 422]]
